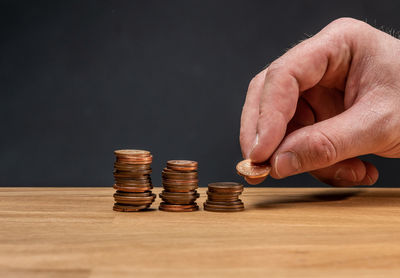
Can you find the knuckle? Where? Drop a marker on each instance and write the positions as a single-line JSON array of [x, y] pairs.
[[345, 25], [320, 150], [274, 67], [275, 70], [257, 79], [253, 82], [345, 22]]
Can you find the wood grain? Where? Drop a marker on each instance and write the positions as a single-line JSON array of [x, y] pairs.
[[73, 232]]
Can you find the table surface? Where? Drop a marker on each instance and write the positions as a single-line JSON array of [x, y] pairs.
[[73, 232]]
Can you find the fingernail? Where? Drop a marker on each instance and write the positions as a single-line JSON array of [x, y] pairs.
[[286, 164], [346, 174]]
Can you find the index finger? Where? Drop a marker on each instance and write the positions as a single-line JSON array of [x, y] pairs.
[[323, 59], [250, 112]]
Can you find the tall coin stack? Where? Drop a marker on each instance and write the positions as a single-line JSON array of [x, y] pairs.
[[132, 170], [180, 181], [224, 197]]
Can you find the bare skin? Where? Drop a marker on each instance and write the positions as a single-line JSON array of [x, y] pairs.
[[329, 99]]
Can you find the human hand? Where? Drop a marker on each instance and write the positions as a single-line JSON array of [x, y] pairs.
[[329, 99]]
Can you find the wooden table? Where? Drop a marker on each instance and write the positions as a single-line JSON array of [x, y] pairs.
[[73, 232]]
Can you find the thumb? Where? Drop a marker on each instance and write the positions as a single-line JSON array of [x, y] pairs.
[[323, 144]]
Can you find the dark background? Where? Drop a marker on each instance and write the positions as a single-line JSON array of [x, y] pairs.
[[79, 79]]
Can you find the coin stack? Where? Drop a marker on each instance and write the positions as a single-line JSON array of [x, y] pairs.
[[180, 181], [132, 170], [224, 197]]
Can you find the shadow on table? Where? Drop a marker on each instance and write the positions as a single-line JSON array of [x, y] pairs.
[[323, 196], [375, 197]]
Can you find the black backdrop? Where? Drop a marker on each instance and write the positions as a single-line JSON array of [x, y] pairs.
[[82, 78]]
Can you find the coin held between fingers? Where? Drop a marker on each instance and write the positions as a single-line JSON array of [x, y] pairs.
[[248, 169]]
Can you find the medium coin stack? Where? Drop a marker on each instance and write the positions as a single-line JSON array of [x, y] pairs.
[[180, 181], [132, 170], [224, 197]]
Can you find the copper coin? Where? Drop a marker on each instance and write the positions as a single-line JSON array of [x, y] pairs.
[[134, 173], [169, 170], [220, 203], [180, 188], [175, 194], [224, 193], [134, 202], [134, 153], [224, 206], [178, 208], [214, 199], [176, 172], [129, 208], [133, 183], [137, 194], [131, 167], [252, 170], [133, 163], [222, 197], [135, 180], [132, 189], [179, 175], [167, 205], [136, 160], [227, 194], [236, 192], [138, 187], [180, 182], [184, 169], [227, 187], [180, 178], [131, 174], [133, 198], [222, 210], [182, 163], [166, 169], [138, 177], [176, 199]]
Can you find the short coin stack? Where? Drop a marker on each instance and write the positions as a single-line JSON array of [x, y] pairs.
[[132, 170], [180, 181], [224, 197]]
